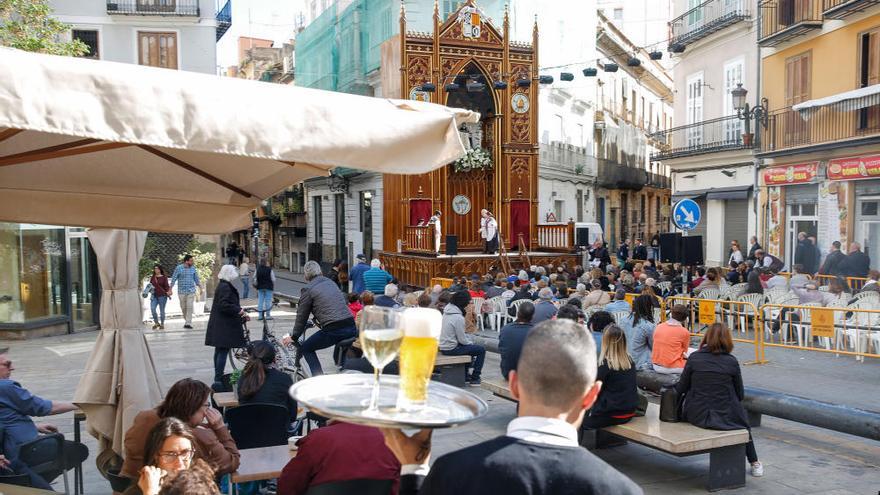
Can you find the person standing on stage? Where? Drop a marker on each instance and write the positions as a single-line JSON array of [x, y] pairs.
[[491, 233], [484, 218], [435, 221]]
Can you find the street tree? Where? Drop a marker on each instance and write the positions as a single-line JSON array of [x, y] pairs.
[[28, 25]]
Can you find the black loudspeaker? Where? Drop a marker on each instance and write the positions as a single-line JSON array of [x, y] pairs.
[[582, 236], [692, 250], [670, 247], [451, 245]]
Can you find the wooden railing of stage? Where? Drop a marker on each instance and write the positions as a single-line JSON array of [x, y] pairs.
[[418, 239], [556, 237]]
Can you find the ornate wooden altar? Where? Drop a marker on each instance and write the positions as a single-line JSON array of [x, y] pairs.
[[468, 51]]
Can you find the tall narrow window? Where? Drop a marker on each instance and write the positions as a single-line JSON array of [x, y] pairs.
[[733, 75], [695, 15], [869, 75], [694, 109], [157, 49], [318, 217]]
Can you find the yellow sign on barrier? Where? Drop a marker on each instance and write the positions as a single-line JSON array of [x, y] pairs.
[[707, 312], [629, 298], [823, 322]]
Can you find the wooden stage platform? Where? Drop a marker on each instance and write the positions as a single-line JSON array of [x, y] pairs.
[[418, 269]]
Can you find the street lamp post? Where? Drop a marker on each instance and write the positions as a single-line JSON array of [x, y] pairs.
[[744, 112]]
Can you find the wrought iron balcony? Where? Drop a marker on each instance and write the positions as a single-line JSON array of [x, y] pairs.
[[826, 127], [706, 18], [783, 20], [657, 180], [224, 19], [838, 9], [708, 136], [154, 7], [613, 175]]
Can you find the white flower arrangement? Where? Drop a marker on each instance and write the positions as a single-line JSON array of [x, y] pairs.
[[473, 159]]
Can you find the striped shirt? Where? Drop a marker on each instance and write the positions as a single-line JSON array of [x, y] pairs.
[[375, 280], [187, 277]]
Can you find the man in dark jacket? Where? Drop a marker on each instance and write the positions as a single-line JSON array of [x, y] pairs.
[[555, 378], [640, 252], [512, 337], [833, 260], [623, 252], [356, 274], [802, 250], [322, 299], [856, 263]]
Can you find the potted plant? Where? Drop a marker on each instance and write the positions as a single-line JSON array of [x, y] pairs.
[[233, 381]]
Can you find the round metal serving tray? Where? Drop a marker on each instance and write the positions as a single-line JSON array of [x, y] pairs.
[[345, 397]]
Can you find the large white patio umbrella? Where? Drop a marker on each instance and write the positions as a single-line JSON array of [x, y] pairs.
[[102, 144]]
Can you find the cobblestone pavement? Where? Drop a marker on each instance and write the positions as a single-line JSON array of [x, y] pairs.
[[797, 458]]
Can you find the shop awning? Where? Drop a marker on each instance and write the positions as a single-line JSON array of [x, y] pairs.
[[846, 101], [733, 192]]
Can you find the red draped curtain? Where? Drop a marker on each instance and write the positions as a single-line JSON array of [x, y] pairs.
[[419, 210], [519, 222]]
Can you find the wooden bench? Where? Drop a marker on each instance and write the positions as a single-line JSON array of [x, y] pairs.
[[726, 449], [451, 370]]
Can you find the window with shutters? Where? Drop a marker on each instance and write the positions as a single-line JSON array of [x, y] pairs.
[[795, 130], [695, 15], [694, 109], [733, 75], [157, 49], [869, 75]]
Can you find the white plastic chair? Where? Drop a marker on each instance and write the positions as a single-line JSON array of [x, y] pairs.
[[664, 287], [802, 328], [736, 291], [775, 294], [498, 313], [709, 293], [744, 311], [516, 304], [872, 296], [478, 311], [858, 327]]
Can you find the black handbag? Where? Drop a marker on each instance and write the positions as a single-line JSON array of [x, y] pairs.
[[670, 405]]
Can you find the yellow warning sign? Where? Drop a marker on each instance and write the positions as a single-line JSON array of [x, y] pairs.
[[707, 312], [823, 322]]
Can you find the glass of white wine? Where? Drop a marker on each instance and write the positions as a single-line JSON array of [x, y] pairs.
[[381, 335]]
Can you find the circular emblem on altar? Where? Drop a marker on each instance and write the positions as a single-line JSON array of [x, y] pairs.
[[461, 204], [519, 102], [418, 94]]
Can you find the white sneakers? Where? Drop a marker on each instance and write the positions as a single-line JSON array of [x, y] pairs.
[[757, 469]]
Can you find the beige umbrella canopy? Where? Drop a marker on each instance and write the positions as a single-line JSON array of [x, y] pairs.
[[103, 144]]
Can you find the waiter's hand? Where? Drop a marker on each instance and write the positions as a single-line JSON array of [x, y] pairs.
[[409, 450]]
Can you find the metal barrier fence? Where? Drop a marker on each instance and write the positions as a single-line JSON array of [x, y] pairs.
[[850, 331], [854, 283], [742, 317]]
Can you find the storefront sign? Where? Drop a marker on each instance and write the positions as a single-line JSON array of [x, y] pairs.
[[823, 322], [790, 174], [860, 167]]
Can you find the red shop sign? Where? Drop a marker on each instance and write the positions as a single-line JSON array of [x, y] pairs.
[[860, 167], [790, 174]]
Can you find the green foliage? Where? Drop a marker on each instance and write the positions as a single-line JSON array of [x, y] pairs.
[[149, 259], [235, 377], [27, 25], [579, 169], [204, 257]]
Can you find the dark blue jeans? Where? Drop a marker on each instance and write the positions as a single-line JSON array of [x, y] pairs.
[[323, 339], [478, 352]]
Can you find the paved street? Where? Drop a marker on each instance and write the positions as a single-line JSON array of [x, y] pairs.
[[797, 458]]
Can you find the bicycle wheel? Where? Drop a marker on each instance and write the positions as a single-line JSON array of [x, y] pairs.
[[238, 358]]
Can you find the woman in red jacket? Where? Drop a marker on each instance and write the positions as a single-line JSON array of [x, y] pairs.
[[161, 289]]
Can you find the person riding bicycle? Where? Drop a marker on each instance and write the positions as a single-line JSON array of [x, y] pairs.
[[322, 299]]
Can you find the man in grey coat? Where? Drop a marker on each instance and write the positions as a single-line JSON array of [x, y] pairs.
[[544, 308], [454, 341]]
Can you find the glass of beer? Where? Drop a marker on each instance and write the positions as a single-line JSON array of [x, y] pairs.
[[421, 334], [381, 335]]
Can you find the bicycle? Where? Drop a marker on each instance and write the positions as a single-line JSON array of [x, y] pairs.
[[288, 358]]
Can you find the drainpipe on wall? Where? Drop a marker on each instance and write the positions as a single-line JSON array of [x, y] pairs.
[[759, 131]]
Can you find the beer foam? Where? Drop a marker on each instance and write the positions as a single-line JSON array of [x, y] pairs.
[[422, 322]]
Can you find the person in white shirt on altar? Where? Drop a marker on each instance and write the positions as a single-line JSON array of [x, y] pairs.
[[435, 221]]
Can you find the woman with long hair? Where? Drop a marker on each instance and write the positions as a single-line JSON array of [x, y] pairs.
[[619, 396], [224, 325], [161, 289], [170, 449], [187, 400], [260, 382], [711, 281], [736, 256], [754, 283], [712, 386], [639, 329]]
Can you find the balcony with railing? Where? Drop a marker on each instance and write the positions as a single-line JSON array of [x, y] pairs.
[[224, 19], [418, 239], [708, 136], [556, 237], [706, 18], [154, 7], [829, 126], [783, 20], [838, 9], [613, 175]]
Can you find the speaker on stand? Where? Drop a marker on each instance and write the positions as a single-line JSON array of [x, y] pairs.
[[451, 245], [670, 247]]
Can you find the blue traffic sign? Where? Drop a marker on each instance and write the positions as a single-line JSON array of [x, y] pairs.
[[686, 214]]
